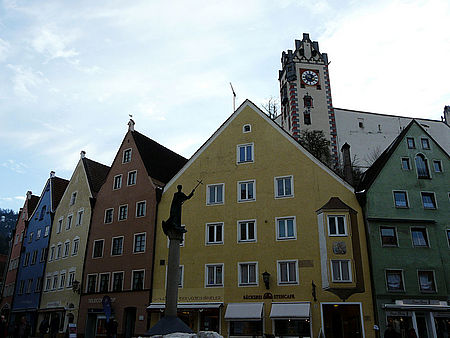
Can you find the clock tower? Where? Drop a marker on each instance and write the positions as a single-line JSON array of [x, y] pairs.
[[305, 92]]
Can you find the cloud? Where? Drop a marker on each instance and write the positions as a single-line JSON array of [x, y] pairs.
[[17, 167], [46, 41], [4, 49], [25, 80]]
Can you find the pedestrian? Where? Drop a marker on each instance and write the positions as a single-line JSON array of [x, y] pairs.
[[22, 329], [3, 327], [43, 327]]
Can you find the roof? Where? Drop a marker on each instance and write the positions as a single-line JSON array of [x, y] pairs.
[[335, 203], [161, 163], [32, 203], [96, 174], [371, 174], [59, 185]]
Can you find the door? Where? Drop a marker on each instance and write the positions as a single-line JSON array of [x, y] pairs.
[[342, 320], [129, 321]]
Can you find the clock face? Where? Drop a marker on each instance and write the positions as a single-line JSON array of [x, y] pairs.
[[310, 77]]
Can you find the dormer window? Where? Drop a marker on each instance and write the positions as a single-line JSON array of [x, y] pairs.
[[126, 156], [247, 128]]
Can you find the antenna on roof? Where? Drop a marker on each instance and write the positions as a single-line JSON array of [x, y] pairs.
[[234, 98]]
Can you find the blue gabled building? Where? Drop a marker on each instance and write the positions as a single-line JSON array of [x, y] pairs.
[[34, 253]]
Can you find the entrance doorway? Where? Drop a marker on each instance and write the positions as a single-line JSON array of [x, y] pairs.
[[129, 321], [342, 320]]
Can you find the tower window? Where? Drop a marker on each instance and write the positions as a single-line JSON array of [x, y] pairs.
[[306, 118], [307, 101]]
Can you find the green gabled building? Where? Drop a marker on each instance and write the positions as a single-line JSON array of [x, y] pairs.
[[406, 203]]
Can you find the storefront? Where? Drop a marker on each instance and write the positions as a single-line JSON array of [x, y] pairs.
[[428, 318], [343, 319], [291, 319], [245, 319], [198, 316]]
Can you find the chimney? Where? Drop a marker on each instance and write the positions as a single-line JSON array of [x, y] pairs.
[[348, 176], [52, 174], [82, 154], [447, 115], [29, 193], [131, 125]]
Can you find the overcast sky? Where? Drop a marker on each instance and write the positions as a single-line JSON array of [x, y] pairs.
[[72, 71]]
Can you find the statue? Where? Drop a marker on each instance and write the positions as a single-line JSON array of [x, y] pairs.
[[174, 221]]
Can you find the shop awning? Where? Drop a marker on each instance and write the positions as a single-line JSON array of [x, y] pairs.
[[205, 305], [289, 310], [409, 307], [244, 311]]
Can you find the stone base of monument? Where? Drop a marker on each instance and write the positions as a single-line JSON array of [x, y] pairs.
[[167, 325]]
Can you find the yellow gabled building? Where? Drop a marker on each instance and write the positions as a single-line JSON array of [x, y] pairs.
[[275, 240]]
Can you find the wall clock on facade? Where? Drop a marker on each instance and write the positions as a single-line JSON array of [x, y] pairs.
[[310, 77]]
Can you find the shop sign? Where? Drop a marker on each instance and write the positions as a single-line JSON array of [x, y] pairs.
[[269, 295], [421, 301], [193, 298], [99, 300], [72, 330]]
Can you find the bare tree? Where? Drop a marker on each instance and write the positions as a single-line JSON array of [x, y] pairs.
[[271, 106], [373, 155]]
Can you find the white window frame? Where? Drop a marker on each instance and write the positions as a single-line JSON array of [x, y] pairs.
[[71, 277], [386, 271], [132, 279], [434, 198], [407, 199], [47, 230], [51, 256], [252, 153], [108, 288], [247, 125], [62, 281], [73, 198], [134, 242], [240, 283], [112, 216], [66, 246], [128, 177], [69, 221], [287, 261], [60, 225], [395, 234], [103, 247], [434, 281], [275, 185], [112, 280], [58, 251], [337, 228], [411, 228], [214, 265], [112, 246], [75, 240], [137, 208], [246, 183], [349, 264], [119, 213], [277, 230], [119, 185], [96, 282], [246, 221], [214, 224], [210, 186], [38, 234], [123, 155], [80, 214]]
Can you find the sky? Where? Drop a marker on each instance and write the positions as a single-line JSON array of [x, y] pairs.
[[71, 72]]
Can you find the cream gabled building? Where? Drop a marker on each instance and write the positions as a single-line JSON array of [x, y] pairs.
[[275, 241], [67, 245]]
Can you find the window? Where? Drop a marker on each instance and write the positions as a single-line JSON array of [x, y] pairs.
[[38, 284], [71, 278], [38, 234], [394, 280], [422, 167], [426, 281], [117, 246], [126, 156], [247, 231], [448, 237], [401, 199], [48, 283], [419, 237], [91, 284], [405, 163], [215, 193], [52, 253], [98, 248], [21, 287], [214, 233], [34, 257], [139, 243], [66, 249], [43, 254], [30, 237], [437, 165], [245, 153], [29, 285], [246, 191], [47, 230], [123, 212], [411, 143], [117, 281], [26, 259], [138, 280], [140, 209], [425, 143], [248, 273], [246, 128], [55, 282], [69, 222], [104, 282], [336, 225], [62, 280], [340, 270], [109, 215], [214, 275], [287, 272], [286, 228], [42, 214], [284, 187], [428, 200], [73, 198], [132, 177], [388, 236], [80, 217], [75, 246], [58, 251], [180, 276], [117, 182]]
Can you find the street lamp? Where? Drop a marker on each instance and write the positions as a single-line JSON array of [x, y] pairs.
[[76, 286], [266, 277]]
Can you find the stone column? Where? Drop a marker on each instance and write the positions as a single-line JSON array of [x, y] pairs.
[[173, 271]]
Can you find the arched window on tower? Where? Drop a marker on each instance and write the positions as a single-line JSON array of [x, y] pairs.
[[307, 101], [422, 167], [307, 117]]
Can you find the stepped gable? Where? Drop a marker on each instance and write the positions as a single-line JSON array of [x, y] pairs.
[[96, 174], [59, 185], [161, 163]]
